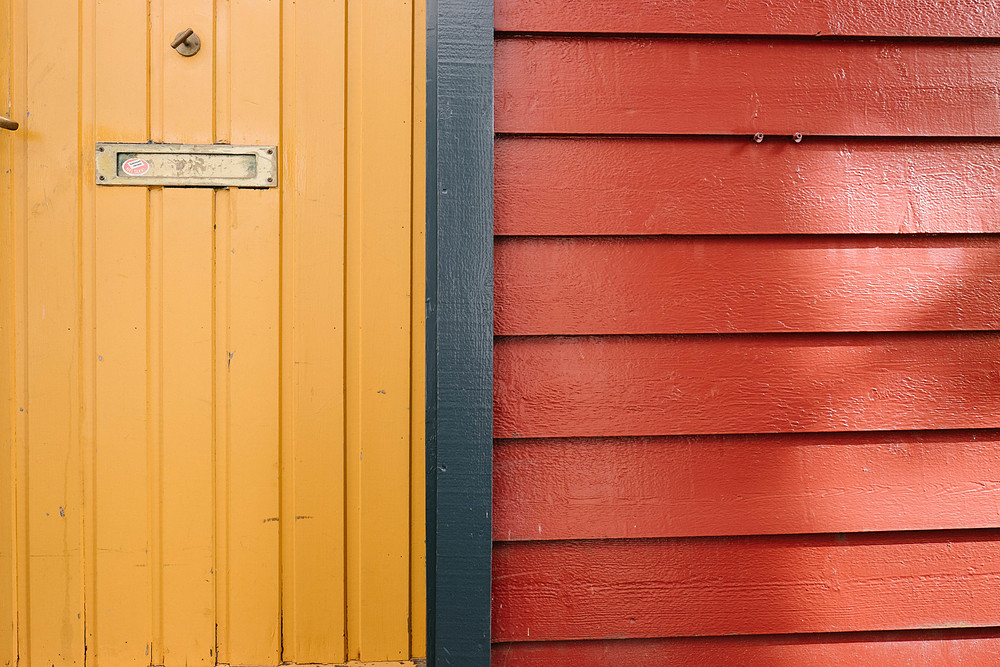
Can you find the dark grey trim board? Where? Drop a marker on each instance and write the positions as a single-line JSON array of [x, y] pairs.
[[459, 330]]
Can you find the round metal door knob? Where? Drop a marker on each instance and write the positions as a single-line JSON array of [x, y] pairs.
[[186, 43]]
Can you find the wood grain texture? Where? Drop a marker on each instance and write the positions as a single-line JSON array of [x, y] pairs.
[[459, 329], [661, 385], [708, 85], [972, 648], [573, 488], [731, 185], [669, 285], [912, 18], [546, 591]]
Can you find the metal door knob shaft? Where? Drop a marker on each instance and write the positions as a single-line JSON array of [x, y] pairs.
[[8, 124], [186, 43]]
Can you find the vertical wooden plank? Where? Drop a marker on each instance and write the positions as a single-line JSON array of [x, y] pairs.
[[19, 317], [8, 470], [418, 278], [186, 454], [459, 329], [186, 436], [87, 309], [378, 333], [154, 416], [120, 616], [254, 631], [352, 210], [121, 620], [187, 95], [312, 514], [220, 255], [254, 603], [54, 586], [154, 338]]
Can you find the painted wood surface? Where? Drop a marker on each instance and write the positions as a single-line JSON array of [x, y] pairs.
[[713, 85], [910, 18], [312, 550], [735, 375], [975, 648], [682, 285], [660, 385], [750, 585], [379, 328], [731, 185], [459, 330], [50, 350], [179, 404], [8, 397], [598, 488]]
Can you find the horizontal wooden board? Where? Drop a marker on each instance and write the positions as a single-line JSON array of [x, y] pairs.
[[571, 488], [966, 647], [545, 591], [913, 18], [679, 285], [731, 185], [744, 85], [675, 385]]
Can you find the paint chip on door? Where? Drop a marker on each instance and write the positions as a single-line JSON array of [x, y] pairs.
[[187, 165]]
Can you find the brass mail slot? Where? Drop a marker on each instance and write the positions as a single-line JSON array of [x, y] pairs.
[[190, 165]]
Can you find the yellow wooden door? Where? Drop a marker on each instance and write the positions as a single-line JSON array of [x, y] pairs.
[[213, 436]]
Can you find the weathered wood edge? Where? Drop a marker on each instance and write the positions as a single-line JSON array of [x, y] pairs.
[[459, 330]]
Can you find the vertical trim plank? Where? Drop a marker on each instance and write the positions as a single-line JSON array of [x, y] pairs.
[[459, 329]]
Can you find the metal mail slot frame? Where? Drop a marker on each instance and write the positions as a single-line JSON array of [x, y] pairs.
[[187, 165]]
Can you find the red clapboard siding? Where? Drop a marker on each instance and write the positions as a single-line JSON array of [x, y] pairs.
[[730, 185], [745, 485], [969, 648], [660, 385], [742, 86], [914, 18], [675, 285], [546, 591]]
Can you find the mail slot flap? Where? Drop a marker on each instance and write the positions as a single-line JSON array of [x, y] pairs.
[[190, 165]]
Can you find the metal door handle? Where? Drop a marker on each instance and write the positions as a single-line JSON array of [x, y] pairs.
[[187, 43], [181, 38], [8, 124]]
